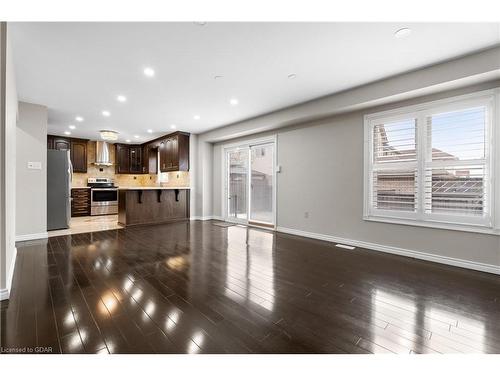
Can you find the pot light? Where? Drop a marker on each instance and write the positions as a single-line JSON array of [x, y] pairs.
[[136, 136], [72, 127], [149, 72], [173, 126], [233, 101], [67, 132], [79, 118], [292, 76], [150, 130], [402, 33], [121, 98], [128, 141], [109, 135], [196, 117], [106, 113]]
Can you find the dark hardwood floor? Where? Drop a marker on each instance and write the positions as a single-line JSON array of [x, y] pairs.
[[199, 288]]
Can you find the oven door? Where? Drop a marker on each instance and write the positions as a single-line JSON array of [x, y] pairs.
[[104, 197]]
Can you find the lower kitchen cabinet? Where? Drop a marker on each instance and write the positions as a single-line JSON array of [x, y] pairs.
[[80, 202]]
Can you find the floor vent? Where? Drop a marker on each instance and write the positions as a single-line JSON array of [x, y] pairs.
[[345, 246]]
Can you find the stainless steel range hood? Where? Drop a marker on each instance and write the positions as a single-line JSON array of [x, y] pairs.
[[102, 153]]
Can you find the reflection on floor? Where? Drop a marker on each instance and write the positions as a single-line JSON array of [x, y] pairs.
[[86, 224], [193, 287]]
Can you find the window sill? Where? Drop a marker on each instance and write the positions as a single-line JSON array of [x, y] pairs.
[[434, 225]]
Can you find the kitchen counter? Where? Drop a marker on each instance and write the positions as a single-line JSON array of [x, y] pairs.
[[146, 205], [153, 188]]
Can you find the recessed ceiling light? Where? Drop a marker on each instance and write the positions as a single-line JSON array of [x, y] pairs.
[[67, 132], [106, 113], [150, 130], [149, 72], [402, 33], [136, 136], [292, 76], [79, 118], [196, 117], [72, 127], [121, 98], [128, 141], [234, 101], [173, 126]]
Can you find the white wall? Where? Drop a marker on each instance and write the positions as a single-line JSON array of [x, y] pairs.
[[322, 163], [31, 202], [454, 74], [8, 159]]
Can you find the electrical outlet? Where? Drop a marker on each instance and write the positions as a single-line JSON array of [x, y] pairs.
[[306, 214]]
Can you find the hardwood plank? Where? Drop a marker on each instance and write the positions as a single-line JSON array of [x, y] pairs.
[[193, 287]]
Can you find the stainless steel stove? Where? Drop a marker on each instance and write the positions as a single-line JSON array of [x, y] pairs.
[[103, 196]]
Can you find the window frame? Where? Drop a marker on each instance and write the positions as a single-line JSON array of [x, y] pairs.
[[488, 223]]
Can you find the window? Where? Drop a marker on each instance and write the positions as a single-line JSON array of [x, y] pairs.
[[432, 164]]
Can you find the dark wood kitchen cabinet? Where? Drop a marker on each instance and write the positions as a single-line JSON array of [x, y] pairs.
[[135, 157], [58, 143], [77, 148], [80, 202], [79, 155], [122, 158], [150, 159], [174, 153]]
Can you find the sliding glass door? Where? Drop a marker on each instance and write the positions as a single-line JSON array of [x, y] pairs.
[[250, 184], [262, 183], [237, 191]]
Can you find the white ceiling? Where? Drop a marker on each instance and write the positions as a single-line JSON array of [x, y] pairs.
[[80, 68]]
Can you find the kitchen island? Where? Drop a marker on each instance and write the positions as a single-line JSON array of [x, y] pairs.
[[152, 205]]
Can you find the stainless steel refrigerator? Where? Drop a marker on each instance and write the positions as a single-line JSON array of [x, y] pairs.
[[59, 175]]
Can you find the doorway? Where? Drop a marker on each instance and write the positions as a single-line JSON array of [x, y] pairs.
[[250, 183]]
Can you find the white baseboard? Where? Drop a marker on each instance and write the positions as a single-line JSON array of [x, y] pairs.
[[490, 268], [204, 218], [33, 236], [4, 294]]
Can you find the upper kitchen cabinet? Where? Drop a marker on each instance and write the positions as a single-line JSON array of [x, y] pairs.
[[77, 148], [122, 156], [58, 143], [79, 155], [174, 152], [135, 157], [150, 159]]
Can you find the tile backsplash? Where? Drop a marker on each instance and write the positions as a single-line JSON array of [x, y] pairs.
[[180, 179]]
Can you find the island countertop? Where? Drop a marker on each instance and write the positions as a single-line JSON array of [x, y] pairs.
[[153, 188]]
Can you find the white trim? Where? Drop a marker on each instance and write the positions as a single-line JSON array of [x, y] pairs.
[[10, 275], [434, 224], [4, 294], [247, 144], [490, 268], [250, 142], [32, 236], [490, 221]]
